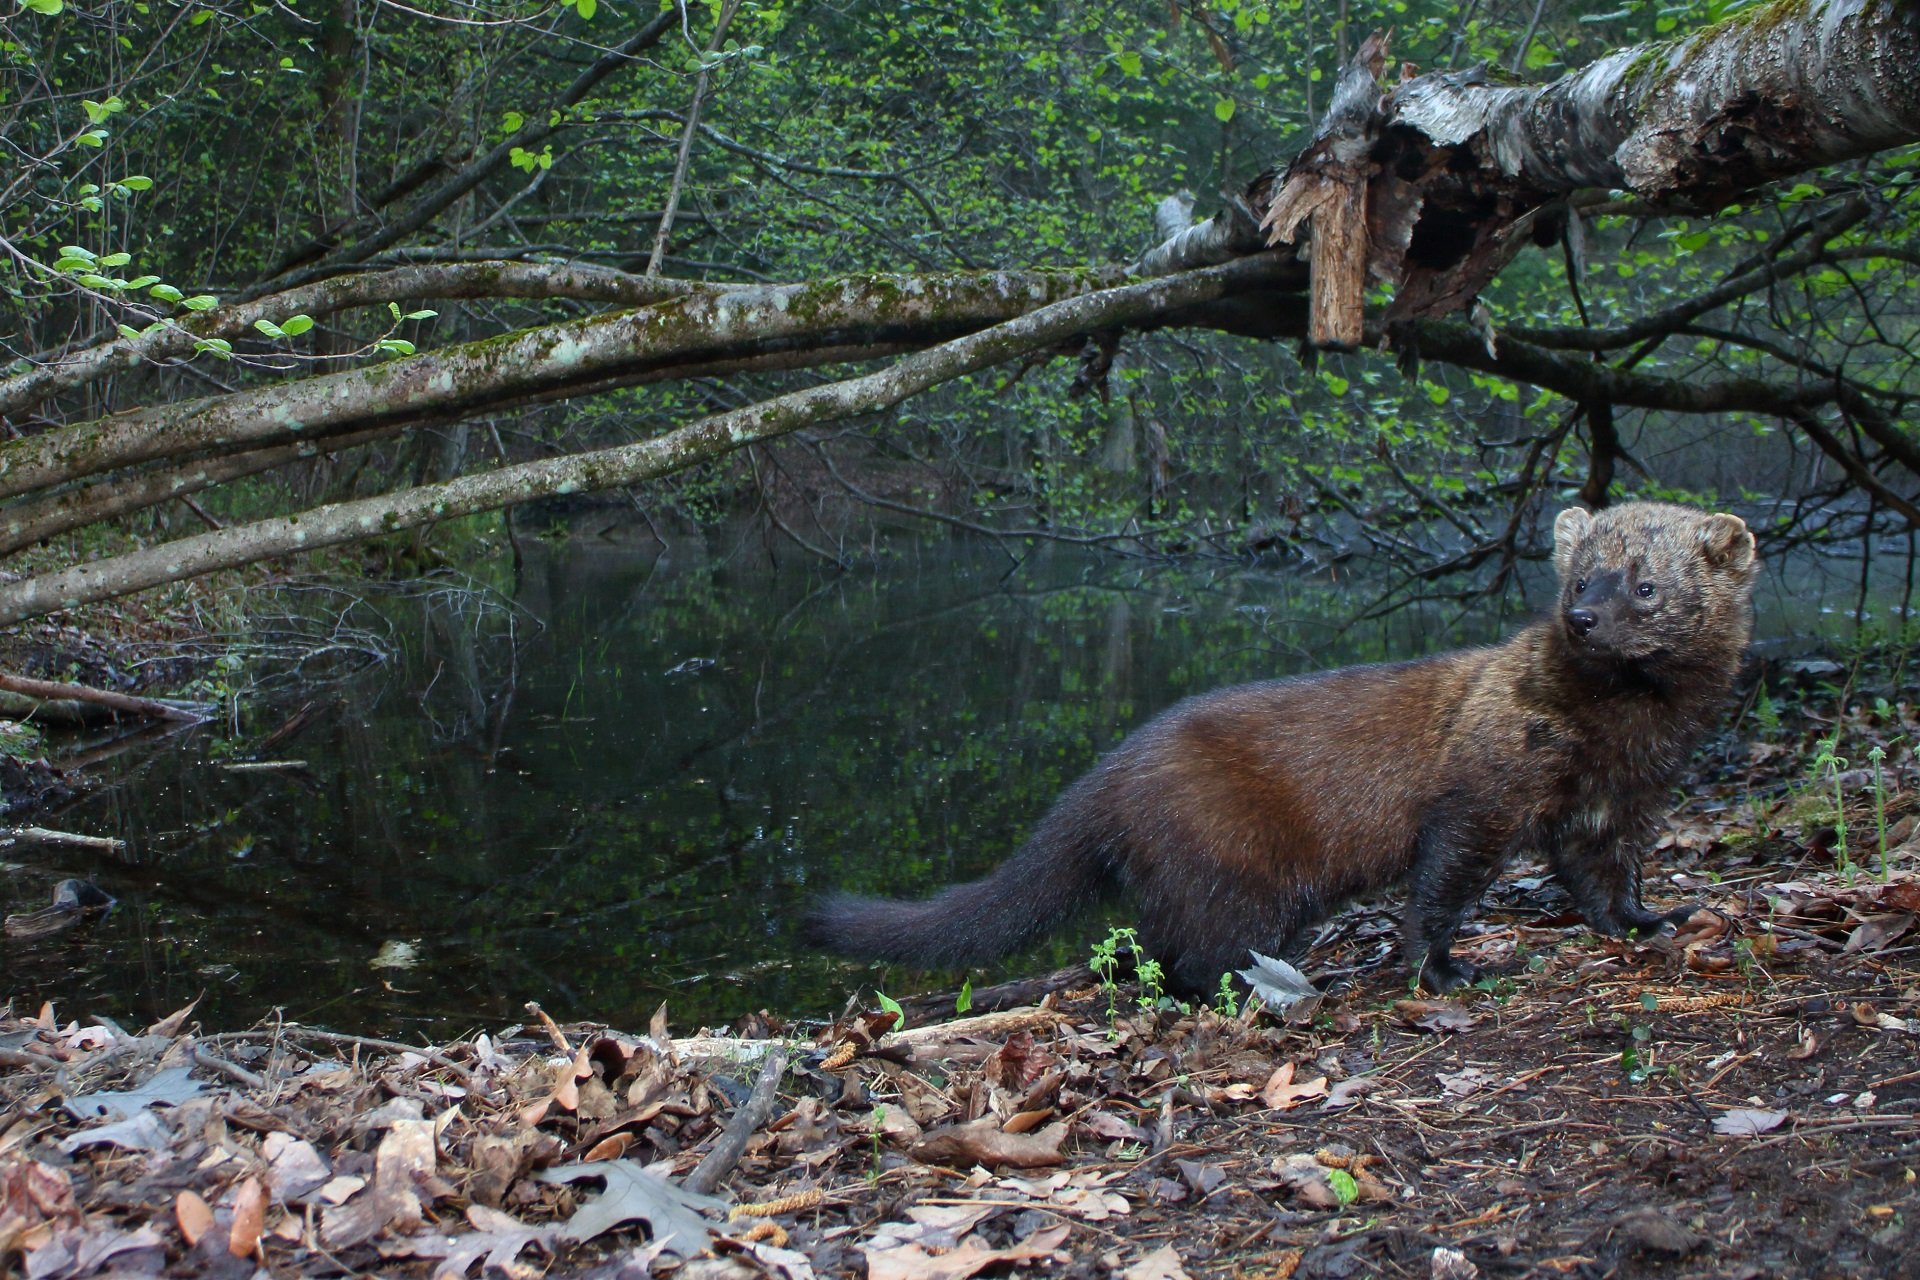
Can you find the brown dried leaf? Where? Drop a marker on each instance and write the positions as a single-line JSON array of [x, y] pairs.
[[170, 1025], [249, 1219], [982, 1141], [1017, 1064], [611, 1147], [194, 1215], [1282, 1094], [1433, 1015], [1027, 1121], [909, 1260]]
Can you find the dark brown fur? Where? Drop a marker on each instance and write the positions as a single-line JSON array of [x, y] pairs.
[[1240, 818]]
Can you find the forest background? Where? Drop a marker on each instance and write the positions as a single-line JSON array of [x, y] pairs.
[[264, 257]]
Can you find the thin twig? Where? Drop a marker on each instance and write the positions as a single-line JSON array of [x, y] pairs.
[[727, 9], [746, 1122]]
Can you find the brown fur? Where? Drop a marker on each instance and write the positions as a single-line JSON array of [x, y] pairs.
[[1240, 818]]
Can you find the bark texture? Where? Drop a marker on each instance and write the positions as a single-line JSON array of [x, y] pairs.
[[1433, 185]]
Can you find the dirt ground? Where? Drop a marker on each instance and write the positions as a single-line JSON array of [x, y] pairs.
[[1741, 1099]]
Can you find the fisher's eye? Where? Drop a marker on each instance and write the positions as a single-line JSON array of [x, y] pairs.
[[1644, 591], [1579, 586]]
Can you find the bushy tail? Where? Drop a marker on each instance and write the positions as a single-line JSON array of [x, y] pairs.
[[1056, 873]]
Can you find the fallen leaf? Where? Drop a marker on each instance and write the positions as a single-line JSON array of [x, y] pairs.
[[1651, 1231], [295, 1168], [144, 1132], [636, 1193], [1162, 1264], [167, 1088], [170, 1025], [1283, 988], [1349, 1091], [1465, 1082], [1433, 1015], [908, 1260], [1745, 1122], [1104, 1124], [194, 1215], [249, 1219], [497, 1240], [982, 1141], [1282, 1094]]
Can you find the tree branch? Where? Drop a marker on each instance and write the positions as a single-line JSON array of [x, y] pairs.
[[611, 468]]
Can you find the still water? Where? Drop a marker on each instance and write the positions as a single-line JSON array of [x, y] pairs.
[[614, 782]]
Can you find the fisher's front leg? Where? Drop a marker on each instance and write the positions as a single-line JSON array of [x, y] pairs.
[[1600, 866], [1455, 860]]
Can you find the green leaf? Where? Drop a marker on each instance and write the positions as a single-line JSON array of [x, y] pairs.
[[219, 346], [165, 292], [127, 331], [395, 346], [586, 9], [892, 1006], [1345, 1189], [420, 315], [511, 122], [199, 17], [294, 326], [1130, 63], [97, 112], [1695, 242], [73, 264], [964, 1001], [135, 182], [269, 328], [47, 7], [200, 302], [1438, 394], [75, 251], [1223, 109], [1336, 385], [116, 260], [94, 280], [141, 282], [93, 138]]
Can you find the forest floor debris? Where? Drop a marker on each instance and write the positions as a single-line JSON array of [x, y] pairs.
[[1738, 1099]]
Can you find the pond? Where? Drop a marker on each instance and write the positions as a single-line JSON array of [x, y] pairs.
[[616, 783]]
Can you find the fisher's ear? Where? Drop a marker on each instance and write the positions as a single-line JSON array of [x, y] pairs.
[[1727, 542], [1569, 527]]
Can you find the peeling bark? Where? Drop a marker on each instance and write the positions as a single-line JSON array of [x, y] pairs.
[[1436, 183]]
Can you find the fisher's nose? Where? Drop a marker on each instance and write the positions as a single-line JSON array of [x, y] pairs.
[[1582, 621]]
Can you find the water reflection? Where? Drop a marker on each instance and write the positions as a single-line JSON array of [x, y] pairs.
[[616, 788]]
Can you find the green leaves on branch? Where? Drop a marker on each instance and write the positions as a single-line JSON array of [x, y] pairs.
[[521, 158], [291, 327], [49, 8]]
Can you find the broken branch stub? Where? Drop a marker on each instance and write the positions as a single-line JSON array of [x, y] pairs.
[[1324, 193], [1435, 184]]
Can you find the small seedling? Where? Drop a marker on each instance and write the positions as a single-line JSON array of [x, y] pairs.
[[1105, 963], [1830, 764], [1226, 1001], [964, 1001], [1152, 980]]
